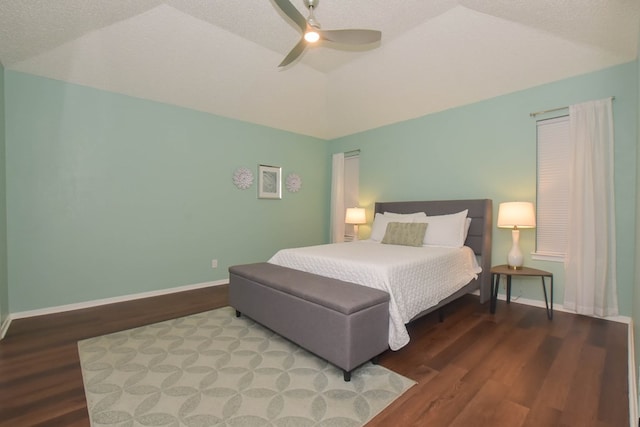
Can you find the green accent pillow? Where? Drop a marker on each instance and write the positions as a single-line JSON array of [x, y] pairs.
[[405, 233]]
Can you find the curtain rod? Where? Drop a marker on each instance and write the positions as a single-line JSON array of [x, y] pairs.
[[352, 153], [537, 113]]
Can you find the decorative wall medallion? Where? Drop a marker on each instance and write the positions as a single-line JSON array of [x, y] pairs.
[[294, 183], [243, 178]]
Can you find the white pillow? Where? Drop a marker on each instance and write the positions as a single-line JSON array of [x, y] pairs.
[[380, 221], [446, 230], [466, 229], [407, 216]]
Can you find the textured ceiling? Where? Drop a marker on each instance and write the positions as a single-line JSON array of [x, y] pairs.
[[221, 56]]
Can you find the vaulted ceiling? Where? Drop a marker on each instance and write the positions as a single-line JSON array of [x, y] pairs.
[[222, 56]]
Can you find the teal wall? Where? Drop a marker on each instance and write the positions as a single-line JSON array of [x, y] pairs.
[[4, 284], [488, 150], [109, 195]]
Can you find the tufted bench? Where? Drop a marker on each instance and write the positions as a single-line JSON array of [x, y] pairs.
[[342, 322]]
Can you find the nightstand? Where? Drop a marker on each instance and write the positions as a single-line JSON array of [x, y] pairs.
[[500, 270]]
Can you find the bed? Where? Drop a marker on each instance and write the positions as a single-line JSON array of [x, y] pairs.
[[419, 279]]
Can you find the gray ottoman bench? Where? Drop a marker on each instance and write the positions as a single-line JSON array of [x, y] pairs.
[[342, 322]]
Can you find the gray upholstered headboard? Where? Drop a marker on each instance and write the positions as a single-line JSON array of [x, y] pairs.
[[480, 231]]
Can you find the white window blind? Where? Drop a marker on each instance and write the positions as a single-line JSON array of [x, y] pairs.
[[553, 187]]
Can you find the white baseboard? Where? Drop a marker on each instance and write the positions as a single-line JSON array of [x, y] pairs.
[[5, 326], [559, 307], [633, 385], [131, 297]]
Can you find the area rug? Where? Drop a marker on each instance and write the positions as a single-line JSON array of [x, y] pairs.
[[214, 369]]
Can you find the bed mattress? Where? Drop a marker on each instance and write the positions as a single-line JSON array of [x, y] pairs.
[[416, 278]]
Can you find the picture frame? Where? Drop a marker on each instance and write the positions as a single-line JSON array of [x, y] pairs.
[[269, 182]]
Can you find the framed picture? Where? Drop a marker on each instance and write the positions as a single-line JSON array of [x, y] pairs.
[[269, 182]]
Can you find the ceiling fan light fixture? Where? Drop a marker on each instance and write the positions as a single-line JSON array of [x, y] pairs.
[[312, 36]]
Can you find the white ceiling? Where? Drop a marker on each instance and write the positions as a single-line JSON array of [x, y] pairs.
[[221, 56]]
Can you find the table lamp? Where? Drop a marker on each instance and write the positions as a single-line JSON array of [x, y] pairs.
[[355, 216], [516, 215]]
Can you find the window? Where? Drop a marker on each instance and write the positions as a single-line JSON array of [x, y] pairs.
[[552, 188]]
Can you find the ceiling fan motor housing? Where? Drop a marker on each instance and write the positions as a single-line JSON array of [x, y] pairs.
[[311, 3]]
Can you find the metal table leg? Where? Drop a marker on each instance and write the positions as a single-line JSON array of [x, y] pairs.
[[546, 301]]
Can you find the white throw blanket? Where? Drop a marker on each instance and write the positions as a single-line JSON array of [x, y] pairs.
[[416, 278]]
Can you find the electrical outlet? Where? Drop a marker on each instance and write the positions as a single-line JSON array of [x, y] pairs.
[[214, 263]]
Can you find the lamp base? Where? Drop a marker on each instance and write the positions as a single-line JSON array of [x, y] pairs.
[[514, 257]]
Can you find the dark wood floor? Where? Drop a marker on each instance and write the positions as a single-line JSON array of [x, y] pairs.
[[514, 368]]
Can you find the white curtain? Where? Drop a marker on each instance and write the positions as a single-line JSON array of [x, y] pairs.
[[337, 199], [590, 263]]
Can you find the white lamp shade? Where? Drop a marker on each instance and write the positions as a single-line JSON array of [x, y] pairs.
[[355, 216], [516, 215]]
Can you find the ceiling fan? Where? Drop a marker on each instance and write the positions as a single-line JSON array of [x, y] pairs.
[[311, 31]]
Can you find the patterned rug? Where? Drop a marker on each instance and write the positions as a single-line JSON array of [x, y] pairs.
[[213, 369]]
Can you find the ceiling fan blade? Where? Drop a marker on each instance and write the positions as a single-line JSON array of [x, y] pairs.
[[351, 36], [291, 11], [294, 54]]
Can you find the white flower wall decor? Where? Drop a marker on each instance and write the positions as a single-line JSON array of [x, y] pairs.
[[243, 178], [293, 183]]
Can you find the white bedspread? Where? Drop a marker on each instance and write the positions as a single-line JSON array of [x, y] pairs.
[[416, 278]]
